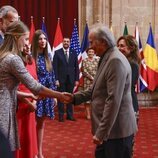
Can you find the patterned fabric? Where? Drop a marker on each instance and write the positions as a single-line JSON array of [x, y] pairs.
[[89, 69], [45, 107], [12, 70]]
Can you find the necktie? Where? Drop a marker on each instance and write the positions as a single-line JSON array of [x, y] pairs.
[[66, 55]]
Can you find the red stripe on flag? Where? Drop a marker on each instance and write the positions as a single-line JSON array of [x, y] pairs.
[[152, 79]]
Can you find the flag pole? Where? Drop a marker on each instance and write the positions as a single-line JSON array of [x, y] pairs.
[[32, 29], [43, 19], [111, 29], [148, 89], [74, 21], [111, 23], [31, 18]]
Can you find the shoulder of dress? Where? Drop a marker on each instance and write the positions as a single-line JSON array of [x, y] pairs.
[[11, 56]]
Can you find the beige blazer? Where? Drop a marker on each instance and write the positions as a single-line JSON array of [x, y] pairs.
[[112, 111]]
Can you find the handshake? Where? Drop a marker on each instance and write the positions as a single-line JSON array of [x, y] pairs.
[[66, 97]]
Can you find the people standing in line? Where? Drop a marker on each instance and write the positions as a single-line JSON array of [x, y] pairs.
[[128, 46], [8, 14], [66, 69], [26, 114], [45, 73], [13, 71], [89, 68], [113, 118]]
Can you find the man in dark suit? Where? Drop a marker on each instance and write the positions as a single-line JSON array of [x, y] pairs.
[[113, 118], [66, 70]]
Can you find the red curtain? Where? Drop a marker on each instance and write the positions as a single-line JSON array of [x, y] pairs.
[[66, 10]]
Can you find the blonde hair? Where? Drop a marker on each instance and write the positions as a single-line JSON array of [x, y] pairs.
[[13, 32]]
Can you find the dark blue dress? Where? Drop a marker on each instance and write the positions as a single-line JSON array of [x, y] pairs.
[[45, 107]]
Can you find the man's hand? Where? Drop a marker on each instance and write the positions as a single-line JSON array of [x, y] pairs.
[[68, 97], [96, 140]]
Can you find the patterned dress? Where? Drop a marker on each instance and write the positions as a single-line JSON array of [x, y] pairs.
[[89, 68], [12, 71], [45, 107]]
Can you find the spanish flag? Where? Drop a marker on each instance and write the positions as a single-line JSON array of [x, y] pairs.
[[151, 62]]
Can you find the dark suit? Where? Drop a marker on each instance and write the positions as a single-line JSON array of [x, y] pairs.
[[113, 118], [66, 73]]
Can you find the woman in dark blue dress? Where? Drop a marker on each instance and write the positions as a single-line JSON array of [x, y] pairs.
[[45, 74]]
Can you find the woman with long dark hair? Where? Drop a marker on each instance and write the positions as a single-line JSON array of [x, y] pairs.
[[45, 74]]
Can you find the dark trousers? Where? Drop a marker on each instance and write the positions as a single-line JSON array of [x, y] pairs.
[[115, 148], [67, 86]]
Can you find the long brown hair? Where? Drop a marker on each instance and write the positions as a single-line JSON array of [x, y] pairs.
[[133, 46], [10, 44], [35, 46]]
